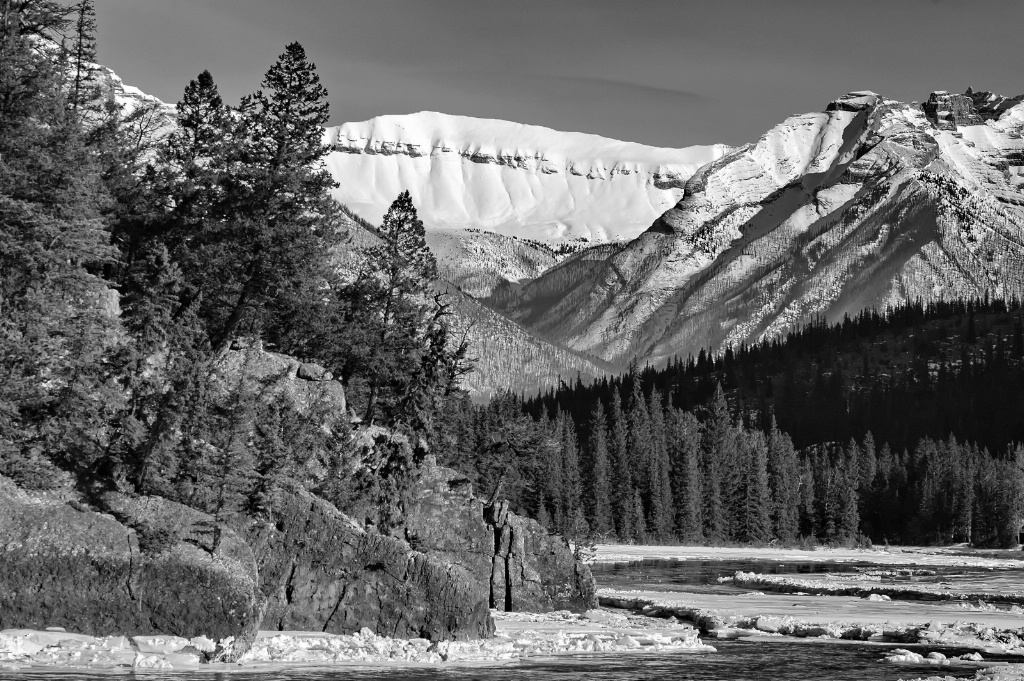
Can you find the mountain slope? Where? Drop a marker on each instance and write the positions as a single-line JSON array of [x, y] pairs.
[[505, 355], [866, 203], [517, 180], [478, 261]]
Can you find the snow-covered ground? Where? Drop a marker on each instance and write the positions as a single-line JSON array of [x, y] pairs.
[[518, 636], [946, 612], [906, 555]]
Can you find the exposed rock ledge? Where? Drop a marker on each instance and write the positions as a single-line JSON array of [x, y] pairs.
[[62, 565], [520, 566], [151, 568]]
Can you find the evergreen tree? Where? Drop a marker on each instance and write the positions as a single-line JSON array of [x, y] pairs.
[[82, 53], [571, 491], [268, 246], [755, 526], [848, 476], [599, 496], [719, 446], [868, 464], [685, 451], [660, 516], [622, 490], [784, 483], [58, 330], [393, 287]]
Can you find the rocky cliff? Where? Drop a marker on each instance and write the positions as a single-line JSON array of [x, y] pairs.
[[64, 565], [153, 566], [947, 111], [320, 571], [519, 565]]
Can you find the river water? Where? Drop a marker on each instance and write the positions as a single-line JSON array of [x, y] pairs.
[[734, 661], [701, 576]]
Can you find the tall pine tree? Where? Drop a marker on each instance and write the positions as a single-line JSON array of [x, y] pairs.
[[599, 496]]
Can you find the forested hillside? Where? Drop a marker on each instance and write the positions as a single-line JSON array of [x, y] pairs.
[[476, 261], [901, 426], [507, 357]]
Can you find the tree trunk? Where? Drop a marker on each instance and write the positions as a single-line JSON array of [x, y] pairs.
[[224, 337]]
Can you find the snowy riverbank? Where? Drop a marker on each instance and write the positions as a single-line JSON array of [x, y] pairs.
[[905, 555], [518, 636], [832, 617]]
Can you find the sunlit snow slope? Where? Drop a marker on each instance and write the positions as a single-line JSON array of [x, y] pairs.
[[864, 204], [517, 180]]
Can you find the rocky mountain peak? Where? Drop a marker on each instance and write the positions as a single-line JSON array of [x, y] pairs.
[[947, 111], [989, 105]]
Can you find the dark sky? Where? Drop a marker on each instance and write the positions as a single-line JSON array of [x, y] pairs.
[[663, 72]]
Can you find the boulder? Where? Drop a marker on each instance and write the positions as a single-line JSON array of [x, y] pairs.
[[308, 385], [520, 566], [320, 571], [66, 566]]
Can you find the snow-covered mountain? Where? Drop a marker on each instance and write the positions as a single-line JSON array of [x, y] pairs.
[[866, 203], [517, 180]]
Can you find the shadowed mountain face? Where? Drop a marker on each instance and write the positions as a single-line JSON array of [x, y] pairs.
[[867, 203]]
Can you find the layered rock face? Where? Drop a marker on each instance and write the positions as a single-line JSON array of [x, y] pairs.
[[63, 565], [947, 111], [519, 566], [153, 566], [321, 572], [864, 204]]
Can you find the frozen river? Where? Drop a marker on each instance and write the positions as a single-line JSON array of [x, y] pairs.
[[761, 633], [739, 661]]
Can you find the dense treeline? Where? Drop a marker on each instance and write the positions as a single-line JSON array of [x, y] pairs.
[[913, 371], [890, 427], [132, 259]]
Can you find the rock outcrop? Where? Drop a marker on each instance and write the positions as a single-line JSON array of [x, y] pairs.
[[64, 565], [990, 105], [279, 376], [518, 564], [947, 111], [320, 571]]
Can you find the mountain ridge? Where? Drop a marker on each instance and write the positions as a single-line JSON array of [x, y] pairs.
[[866, 203], [513, 179]]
